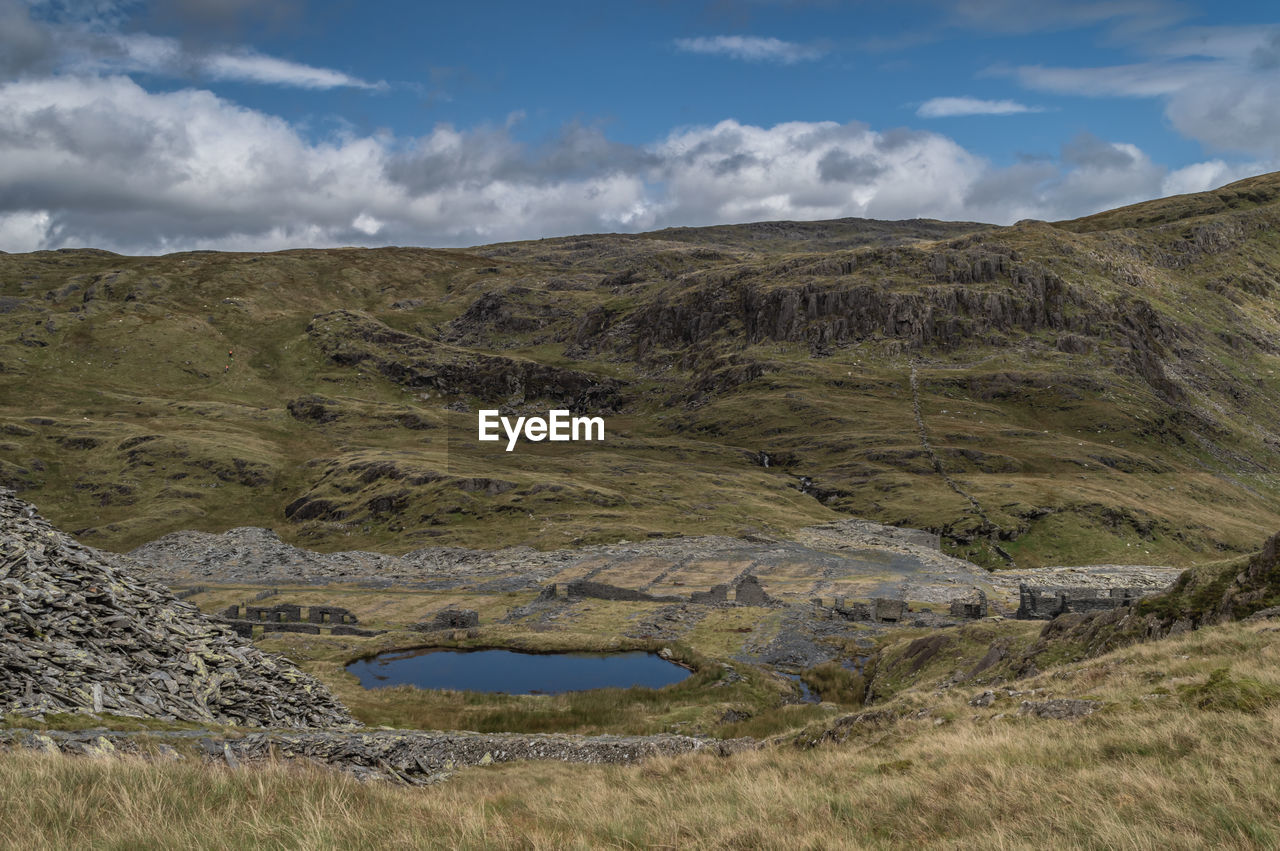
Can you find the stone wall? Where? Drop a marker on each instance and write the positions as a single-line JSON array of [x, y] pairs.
[[975, 608], [402, 756], [290, 613], [604, 591], [876, 610], [1046, 603], [747, 591], [288, 617]]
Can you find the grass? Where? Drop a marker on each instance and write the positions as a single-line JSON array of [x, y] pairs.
[[693, 706], [1148, 772], [1074, 455]]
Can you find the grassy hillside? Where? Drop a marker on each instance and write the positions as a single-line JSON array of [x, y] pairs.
[[1179, 754], [1093, 391]]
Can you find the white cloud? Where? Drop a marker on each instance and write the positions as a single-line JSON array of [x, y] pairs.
[[367, 224], [90, 42], [139, 52], [751, 48], [1019, 16], [1147, 79], [1220, 85], [100, 161], [1200, 177], [810, 170], [23, 230], [948, 107], [254, 67]]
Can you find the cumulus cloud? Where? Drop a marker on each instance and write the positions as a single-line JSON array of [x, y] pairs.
[[751, 48], [948, 107], [100, 161], [810, 170]]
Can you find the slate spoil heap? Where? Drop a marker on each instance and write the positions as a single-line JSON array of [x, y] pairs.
[[77, 634]]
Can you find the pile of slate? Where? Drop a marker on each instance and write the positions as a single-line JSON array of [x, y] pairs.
[[79, 634]]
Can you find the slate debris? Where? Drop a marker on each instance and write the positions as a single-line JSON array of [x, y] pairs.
[[78, 634], [419, 758], [415, 758]]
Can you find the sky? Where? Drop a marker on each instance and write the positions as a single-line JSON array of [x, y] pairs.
[[147, 127]]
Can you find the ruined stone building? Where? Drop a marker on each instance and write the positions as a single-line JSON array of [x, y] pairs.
[[287, 617], [1045, 603]]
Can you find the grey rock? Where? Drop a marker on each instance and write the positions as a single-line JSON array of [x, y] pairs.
[[78, 634], [1059, 708]]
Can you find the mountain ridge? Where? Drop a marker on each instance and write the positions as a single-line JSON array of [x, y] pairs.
[[1095, 393]]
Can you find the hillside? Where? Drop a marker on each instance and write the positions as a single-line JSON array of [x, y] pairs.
[[1100, 390]]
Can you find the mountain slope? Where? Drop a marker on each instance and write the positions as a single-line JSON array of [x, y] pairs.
[[1097, 390]]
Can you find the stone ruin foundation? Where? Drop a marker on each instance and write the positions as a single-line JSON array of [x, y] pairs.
[[876, 610], [287, 617], [745, 591], [1045, 603], [973, 609]]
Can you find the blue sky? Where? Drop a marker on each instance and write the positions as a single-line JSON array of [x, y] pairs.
[[262, 124]]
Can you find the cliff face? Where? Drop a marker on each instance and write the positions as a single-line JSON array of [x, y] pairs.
[[835, 306]]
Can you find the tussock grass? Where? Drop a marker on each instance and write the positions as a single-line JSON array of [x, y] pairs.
[[1148, 772], [1184, 781]]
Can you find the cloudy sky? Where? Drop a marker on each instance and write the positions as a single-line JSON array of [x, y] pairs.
[[167, 125]]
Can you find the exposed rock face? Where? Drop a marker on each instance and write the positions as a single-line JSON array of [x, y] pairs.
[[834, 308], [77, 633], [351, 338]]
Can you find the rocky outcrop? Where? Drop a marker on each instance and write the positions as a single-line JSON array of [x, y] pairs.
[[352, 339], [497, 315], [823, 309], [1201, 597], [1059, 709], [79, 634], [449, 619]]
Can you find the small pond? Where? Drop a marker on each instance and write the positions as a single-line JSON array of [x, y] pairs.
[[514, 672]]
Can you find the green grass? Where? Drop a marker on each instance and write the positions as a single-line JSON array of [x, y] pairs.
[[1076, 456]]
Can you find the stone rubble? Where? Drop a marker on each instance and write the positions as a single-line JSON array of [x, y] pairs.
[[1059, 708], [79, 634]]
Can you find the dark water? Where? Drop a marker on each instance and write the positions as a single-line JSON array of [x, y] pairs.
[[515, 673], [807, 694]]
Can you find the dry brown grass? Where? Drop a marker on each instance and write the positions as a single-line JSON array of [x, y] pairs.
[[1150, 771]]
